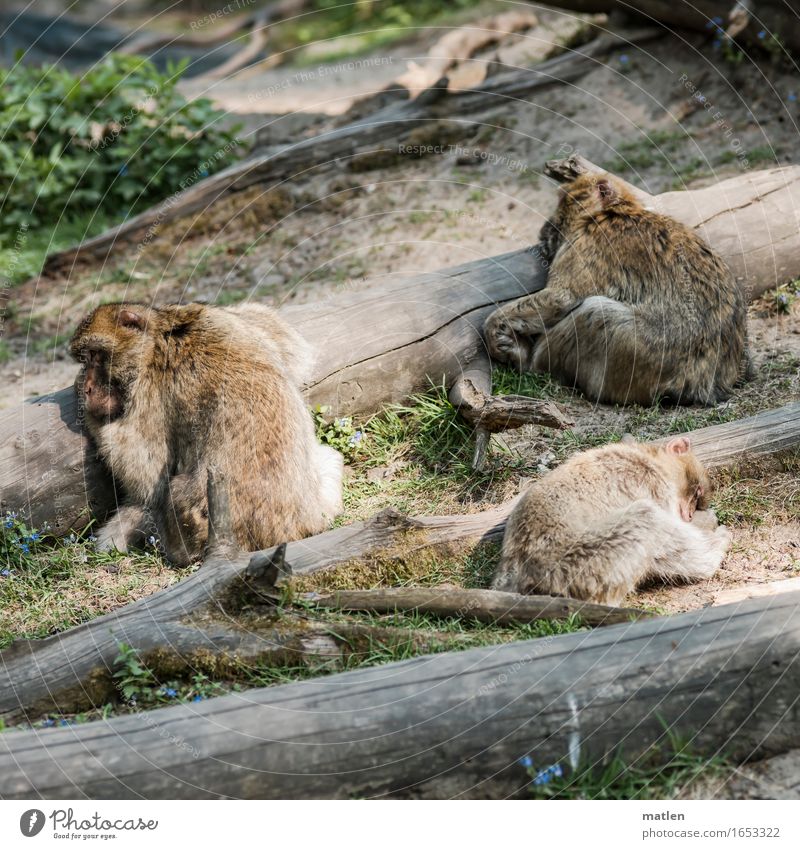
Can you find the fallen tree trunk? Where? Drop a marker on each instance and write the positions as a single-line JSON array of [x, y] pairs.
[[393, 338], [725, 679], [492, 606], [194, 622]]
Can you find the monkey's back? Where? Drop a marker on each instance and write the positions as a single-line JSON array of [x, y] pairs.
[[548, 527], [687, 330], [254, 425]]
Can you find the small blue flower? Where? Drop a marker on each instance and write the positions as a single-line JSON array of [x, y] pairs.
[[64, 722], [526, 761], [204, 172], [92, 538], [624, 59], [48, 723], [26, 549], [791, 97], [763, 34], [168, 691], [198, 698], [717, 20], [151, 540], [34, 537], [9, 523], [6, 573]]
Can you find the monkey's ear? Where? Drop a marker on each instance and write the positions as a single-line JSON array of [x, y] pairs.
[[129, 318], [607, 193], [679, 445]]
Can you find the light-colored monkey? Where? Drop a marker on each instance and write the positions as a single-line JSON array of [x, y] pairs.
[[610, 518]]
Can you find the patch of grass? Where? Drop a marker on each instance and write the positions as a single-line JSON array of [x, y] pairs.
[[654, 775], [24, 257], [655, 146], [745, 501], [508, 381], [5, 352], [361, 27], [48, 586]]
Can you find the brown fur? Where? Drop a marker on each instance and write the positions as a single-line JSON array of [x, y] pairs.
[[610, 518], [169, 392], [637, 307]]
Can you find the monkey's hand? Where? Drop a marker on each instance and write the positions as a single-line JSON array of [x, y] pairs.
[[706, 520], [507, 346]]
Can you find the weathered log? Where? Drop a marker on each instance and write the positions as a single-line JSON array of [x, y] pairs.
[[460, 44], [447, 725], [472, 395], [484, 605], [72, 669]]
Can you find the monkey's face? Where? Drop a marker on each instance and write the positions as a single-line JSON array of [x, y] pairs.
[[102, 396], [109, 344], [693, 482]]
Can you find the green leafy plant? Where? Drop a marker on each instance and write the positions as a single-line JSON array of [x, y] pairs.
[[118, 137], [340, 433], [782, 299], [133, 679]]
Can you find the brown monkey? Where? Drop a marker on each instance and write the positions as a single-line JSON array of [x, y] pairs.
[[169, 392], [637, 307], [610, 518]]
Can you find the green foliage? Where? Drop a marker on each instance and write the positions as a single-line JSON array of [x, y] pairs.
[[117, 138], [508, 381], [138, 685], [430, 425], [340, 434], [375, 23], [133, 679], [782, 299], [651, 776]]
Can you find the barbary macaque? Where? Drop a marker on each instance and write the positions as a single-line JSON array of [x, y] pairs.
[[170, 391], [637, 307], [611, 518]]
